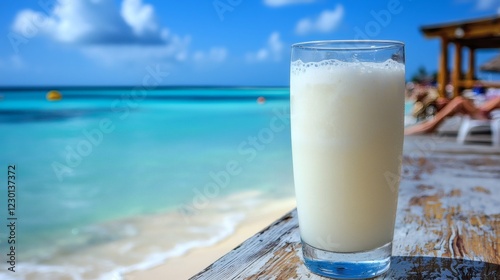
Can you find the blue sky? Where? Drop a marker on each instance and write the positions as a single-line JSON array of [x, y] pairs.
[[215, 42]]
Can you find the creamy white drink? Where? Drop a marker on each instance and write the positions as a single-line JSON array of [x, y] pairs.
[[347, 137]]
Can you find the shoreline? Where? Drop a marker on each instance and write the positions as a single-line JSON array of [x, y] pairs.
[[195, 260], [163, 245]]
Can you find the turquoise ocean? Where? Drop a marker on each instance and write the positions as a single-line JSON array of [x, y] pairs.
[[109, 181]]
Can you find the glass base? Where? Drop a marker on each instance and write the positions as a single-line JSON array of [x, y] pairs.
[[365, 264]]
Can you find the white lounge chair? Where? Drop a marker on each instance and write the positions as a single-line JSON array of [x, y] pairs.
[[468, 125]]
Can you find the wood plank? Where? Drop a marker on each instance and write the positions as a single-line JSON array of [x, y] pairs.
[[448, 224], [472, 83], [260, 252], [487, 27], [471, 65], [457, 70], [443, 68]]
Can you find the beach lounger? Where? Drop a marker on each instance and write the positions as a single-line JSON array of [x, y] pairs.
[[468, 125]]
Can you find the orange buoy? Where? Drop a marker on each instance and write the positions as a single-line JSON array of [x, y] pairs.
[[261, 100], [53, 95]]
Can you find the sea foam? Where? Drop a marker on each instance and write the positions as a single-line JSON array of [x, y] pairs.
[[141, 243], [227, 228]]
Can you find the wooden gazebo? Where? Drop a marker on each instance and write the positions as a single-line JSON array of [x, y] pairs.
[[472, 35]]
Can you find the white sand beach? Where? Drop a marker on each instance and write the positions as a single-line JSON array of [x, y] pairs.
[[196, 260]]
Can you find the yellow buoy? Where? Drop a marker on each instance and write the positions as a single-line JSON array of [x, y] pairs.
[[54, 95]]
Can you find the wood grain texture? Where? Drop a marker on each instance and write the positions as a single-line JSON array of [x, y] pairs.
[[447, 227]]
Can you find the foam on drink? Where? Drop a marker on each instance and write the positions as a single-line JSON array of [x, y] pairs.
[[347, 137]]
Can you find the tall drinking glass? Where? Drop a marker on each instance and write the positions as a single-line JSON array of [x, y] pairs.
[[347, 114]]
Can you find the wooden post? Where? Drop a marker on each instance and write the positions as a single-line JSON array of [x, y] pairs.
[[457, 69], [443, 68], [472, 62]]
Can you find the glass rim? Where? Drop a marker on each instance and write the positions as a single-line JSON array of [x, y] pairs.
[[347, 45]]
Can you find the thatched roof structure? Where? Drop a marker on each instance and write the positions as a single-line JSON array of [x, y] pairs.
[[471, 35]]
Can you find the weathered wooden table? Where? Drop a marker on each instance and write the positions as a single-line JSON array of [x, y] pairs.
[[447, 225]]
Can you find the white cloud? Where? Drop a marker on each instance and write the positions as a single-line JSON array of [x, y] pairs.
[[28, 22], [272, 50], [138, 16], [93, 22], [215, 54], [176, 50], [487, 4], [16, 61], [278, 3], [12, 62], [484, 4], [104, 31], [326, 22]]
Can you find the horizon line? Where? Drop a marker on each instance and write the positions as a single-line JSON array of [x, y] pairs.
[[70, 87]]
